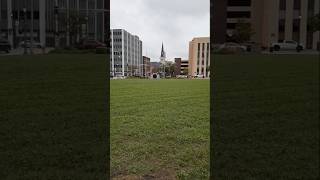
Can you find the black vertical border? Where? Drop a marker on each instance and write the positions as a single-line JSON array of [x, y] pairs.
[[107, 42]]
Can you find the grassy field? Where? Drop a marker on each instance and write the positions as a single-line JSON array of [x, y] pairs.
[[53, 117], [160, 129], [53, 120], [266, 117]]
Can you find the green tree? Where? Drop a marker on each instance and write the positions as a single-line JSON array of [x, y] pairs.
[[185, 71], [243, 31], [72, 23], [170, 68], [314, 23]]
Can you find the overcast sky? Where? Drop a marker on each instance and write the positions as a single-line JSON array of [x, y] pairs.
[[173, 22]]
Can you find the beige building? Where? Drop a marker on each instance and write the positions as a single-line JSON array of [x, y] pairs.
[[199, 56], [271, 20]]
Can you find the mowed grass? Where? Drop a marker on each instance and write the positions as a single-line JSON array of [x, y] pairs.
[[160, 128], [53, 117], [266, 117]]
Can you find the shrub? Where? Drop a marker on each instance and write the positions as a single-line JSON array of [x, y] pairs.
[[69, 50], [228, 51]]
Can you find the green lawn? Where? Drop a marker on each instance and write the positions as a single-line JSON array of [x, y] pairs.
[[266, 117], [160, 128], [53, 120], [53, 117]]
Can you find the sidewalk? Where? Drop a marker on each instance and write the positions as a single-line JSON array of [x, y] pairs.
[[310, 52], [20, 51]]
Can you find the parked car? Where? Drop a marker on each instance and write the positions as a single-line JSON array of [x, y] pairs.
[[90, 44], [199, 76], [5, 46], [27, 44], [287, 45]]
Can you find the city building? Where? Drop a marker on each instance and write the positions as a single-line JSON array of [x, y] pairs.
[[155, 67], [177, 69], [52, 22], [199, 57], [126, 54], [146, 66], [181, 66], [184, 67], [271, 20]]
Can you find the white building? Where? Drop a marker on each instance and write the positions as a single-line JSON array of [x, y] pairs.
[[126, 54], [47, 20]]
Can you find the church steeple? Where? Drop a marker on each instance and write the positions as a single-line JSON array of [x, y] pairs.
[[163, 54]]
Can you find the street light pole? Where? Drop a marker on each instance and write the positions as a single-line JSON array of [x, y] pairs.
[[31, 29], [298, 47], [12, 31], [24, 30], [56, 9], [87, 32]]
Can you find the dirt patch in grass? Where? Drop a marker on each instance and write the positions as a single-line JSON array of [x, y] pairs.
[[159, 175]]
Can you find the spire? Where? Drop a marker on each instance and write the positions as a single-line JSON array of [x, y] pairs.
[[163, 54]]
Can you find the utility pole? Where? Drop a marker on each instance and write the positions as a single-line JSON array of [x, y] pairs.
[[24, 30]]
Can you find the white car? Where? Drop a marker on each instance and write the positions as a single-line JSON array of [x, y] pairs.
[[27, 44], [287, 45], [199, 76]]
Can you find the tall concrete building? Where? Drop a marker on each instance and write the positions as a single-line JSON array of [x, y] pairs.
[[48, 20], [271, 20], [126, 54], [199, 56]]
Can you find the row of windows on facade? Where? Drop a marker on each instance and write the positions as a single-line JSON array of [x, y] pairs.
[[118, 34], [119, 46], [283, 3], [125, 41], [119, 65], [202, 71], [132, 43], [203, 46], [203, 61], [119, 59], [296, 5], [282, 7], [130, 59], [295, 25]]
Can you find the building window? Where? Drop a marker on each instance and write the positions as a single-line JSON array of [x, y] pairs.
[[281, 30], [239, 2], [296, 29], [311, 4], [296, 25], [283, 5], [238, 14], [297, 4], [231, 25], [281, 25]]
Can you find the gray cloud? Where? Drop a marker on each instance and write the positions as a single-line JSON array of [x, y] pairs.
[[173, 22]]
